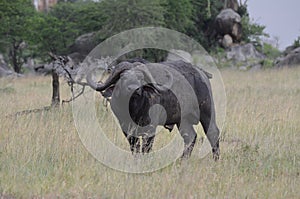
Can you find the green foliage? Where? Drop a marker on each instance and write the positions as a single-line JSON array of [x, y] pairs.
[[178, 15], [297, 43], [82, 16], [251, 30], [128, 14], [270, 51], [54, 33], [57, 30], [204, 14], [271, 54], [267, 63], [123, 15], [14, 19], [243, 11]]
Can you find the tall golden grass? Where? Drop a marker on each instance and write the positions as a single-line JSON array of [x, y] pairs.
[[42, 156]]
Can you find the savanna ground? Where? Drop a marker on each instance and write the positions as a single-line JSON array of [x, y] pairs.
[[41, 154]]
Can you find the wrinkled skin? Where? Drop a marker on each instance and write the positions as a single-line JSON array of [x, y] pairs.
[[125, 83]]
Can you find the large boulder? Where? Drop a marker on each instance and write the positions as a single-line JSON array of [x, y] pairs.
[[229, 22], [83, 45], [227, 41], [4, 72], [244, 53], [290, 60]]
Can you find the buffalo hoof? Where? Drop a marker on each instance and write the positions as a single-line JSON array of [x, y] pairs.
[[216, 153]]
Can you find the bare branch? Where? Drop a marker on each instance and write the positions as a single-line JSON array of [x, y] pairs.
[[26, 112], [74, 97]]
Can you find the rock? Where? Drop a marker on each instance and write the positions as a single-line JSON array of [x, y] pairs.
[[3, 64], [8, 73], [5, 70], [77, 57], [229, 22], [288, 50], [290, 60], [84, 44], [227, 41], [175, 55], [243, 53]]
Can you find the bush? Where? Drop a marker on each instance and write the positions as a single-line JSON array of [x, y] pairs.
[[270, 51], [297, 43], [267, 63], [251, 30]]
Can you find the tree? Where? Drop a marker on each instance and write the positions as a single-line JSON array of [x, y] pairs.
[[178, 15], [121, 15], [251, 30], [57, 30], [204, 14], [14, 19], [127, 14]]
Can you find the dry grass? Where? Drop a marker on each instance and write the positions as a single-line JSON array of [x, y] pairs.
[[42, 156]]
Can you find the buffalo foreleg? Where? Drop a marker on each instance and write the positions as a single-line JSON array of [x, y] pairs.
[[189, 136], [134, 143], [147, 144]]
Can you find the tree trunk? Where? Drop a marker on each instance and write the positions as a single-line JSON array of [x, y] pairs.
[[55, 89], [14, 58]]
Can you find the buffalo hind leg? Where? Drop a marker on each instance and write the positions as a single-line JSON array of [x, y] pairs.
[[189, 136], [147, 144], [134, 143], [212, 132]]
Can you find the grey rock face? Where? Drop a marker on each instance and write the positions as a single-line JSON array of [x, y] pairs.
[[242, 53], [290, 60], [5, 70]]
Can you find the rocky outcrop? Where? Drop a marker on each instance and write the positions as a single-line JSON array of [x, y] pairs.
[[291, 59], [228, 22], [243, 57], [244, 53]]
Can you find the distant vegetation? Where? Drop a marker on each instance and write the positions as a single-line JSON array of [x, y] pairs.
[[24, 32], [297, 43]]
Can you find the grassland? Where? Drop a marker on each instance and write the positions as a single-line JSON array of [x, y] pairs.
[[41, 154]]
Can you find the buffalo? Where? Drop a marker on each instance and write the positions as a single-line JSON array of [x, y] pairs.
[[144, 95]]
